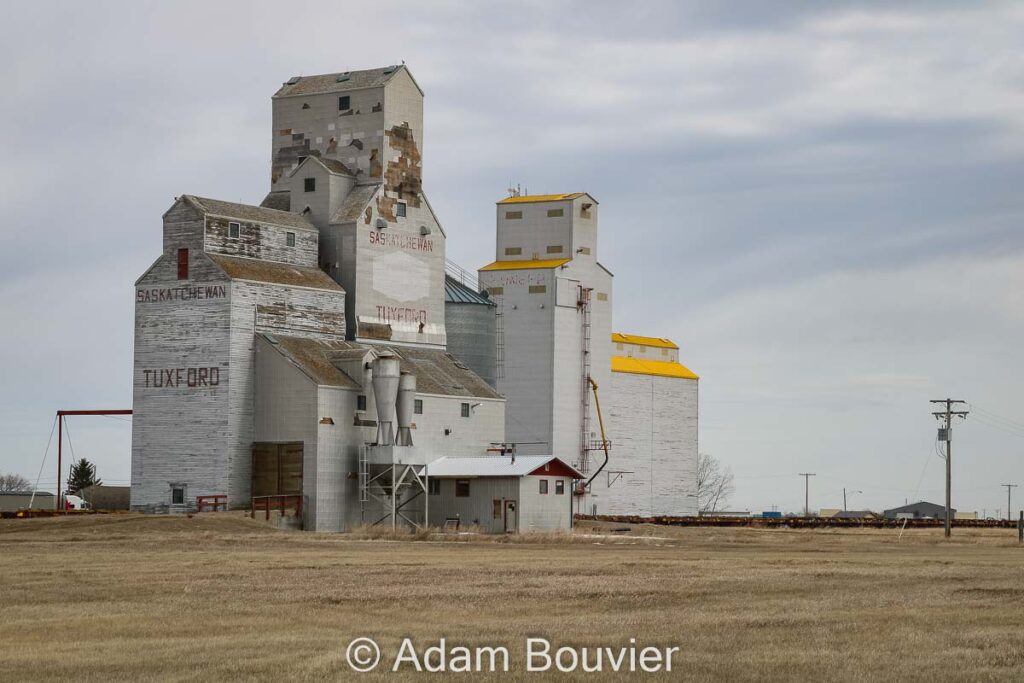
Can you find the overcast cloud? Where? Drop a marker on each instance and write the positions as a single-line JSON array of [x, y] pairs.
[[820, 202]]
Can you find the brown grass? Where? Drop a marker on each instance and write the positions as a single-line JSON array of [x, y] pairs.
[[221, 596]]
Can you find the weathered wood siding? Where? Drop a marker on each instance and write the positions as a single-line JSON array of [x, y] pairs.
[[181, 382], [310, 312], [261, 241]]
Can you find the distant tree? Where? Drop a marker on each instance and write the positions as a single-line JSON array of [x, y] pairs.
[[714, 484], [14, 482], [83, 474]]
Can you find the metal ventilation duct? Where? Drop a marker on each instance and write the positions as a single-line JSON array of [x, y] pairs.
[[385, 393], [406, 404]]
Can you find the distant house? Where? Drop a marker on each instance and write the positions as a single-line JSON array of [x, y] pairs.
[[501, 494], [12, 501], [854, 514], [920, 510]]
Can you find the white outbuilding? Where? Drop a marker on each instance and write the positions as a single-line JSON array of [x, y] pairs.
[[502, 494]]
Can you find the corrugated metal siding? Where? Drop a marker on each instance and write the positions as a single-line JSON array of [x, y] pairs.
[[471, 336]]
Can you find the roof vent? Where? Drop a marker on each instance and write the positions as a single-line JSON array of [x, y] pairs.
[[424, 230], [293, 80], [390, 69], [381, 224], [343, 77]]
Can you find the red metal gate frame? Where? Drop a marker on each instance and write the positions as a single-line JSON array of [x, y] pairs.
[[61, 414]]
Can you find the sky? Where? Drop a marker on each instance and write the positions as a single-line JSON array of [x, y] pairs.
[[821, 203]]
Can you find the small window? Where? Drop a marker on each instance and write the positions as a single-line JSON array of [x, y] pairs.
[[602, 296], [513, 215], [301, 159], [462, 488], [513, 251], [343, 103], [555, 249], [417, 406], [434, 487], [310, 185], [178, 495], [361, 402], [289, 239], [556, 213], [559, 487], [496, 514], [543, 487], [234, 230], [496, 291], [584, 250], [538, 289], [400, 209], [664, 352], [465, 410], [183, 264]]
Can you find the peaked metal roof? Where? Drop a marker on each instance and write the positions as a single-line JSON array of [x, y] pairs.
[[492, 465], [341, 82], [636, 339], [526, 264], [247, 212], [532, 198], [457, 293], [658, 368]]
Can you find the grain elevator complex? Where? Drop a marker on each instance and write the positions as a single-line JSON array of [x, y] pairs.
[[317, 353]]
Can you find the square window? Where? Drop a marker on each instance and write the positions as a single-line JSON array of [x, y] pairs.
[[462, 488], [465, 410], [343, 103], [417, 406], [183, 264], [234, 230], [496, 514], [559, 487], [400, 209], [310, 185], [361, 402], [434, 487], [543, 487], [290, 239], [178, 495]]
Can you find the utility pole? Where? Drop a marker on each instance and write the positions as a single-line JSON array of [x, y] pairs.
[[807, 479], [947, 436], [1009, 510], [844, 497]]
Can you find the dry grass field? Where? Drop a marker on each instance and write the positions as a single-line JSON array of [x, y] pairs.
[[220, 596]]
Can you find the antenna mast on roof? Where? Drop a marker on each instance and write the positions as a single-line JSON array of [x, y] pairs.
[[514, 191]]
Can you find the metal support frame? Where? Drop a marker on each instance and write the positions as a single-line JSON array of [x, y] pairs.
[[387, 486], [615, 475], [61, 414]]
